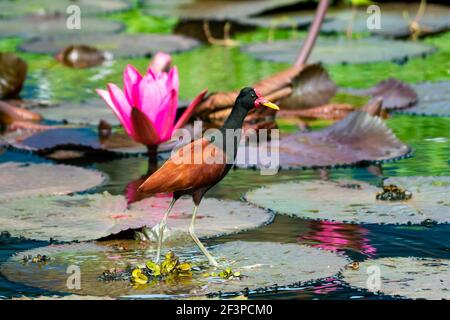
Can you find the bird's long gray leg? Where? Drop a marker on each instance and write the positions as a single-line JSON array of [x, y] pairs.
[[211, 260], [162, 225]]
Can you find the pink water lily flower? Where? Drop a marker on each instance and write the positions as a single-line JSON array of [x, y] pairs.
[[148, 104]]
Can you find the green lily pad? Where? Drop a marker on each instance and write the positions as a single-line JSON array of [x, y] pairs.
[[90, 217], [87, 7], [54, 25], [24, 180], [356, 201], [121, 45], [339, 50], [434, 99], [393, 21], [358, 139], [411, 277], [263, 265], [89, 112]]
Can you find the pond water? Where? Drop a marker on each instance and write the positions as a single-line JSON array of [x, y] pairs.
[[428, 136]]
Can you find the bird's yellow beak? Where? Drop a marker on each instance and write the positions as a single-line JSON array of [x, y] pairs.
[[266, 103], [270, 105]]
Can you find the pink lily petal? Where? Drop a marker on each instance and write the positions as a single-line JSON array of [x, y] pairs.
[[107, 98], [161, 62], [151, 96], [190, 110], [145, 132], [172, 81], [131, 80], [167, 120], [121, 107]]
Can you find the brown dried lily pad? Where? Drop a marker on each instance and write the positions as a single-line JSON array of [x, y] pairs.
[[54, 25], [312, 87], [339, 50], [90, 217], [332, 111], [81, 56], [409, 277], [24, 180], [357, 139], [121, 45], [10, 114], [296, 87], [264, 266], [87, 7], [356, 201], [13, 71]]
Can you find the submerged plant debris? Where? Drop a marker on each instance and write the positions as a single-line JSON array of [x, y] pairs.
[[37, 259]]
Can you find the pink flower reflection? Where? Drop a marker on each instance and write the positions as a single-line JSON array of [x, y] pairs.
[[335, 236]]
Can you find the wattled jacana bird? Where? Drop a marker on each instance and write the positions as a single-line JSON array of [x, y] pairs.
[[199, 165]]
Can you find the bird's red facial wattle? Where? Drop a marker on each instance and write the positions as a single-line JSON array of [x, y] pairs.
[[261, 101]]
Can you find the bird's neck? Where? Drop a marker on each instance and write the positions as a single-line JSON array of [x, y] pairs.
[[232, 129], [236, 119]]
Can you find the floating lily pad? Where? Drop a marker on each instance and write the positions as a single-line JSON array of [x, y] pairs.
[[68, 297], [89, 217], [54, 25], [434, 99], [394, 93], [283, 20], [213, 9], [121, 45], [87, 7], [393, 21], [84, 140], [357, 139], [264, 265], [24, 180], [339, 50], [356, 201], [89, 112], [414, 278]]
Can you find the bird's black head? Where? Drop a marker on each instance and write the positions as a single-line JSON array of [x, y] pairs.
[[248, 99]]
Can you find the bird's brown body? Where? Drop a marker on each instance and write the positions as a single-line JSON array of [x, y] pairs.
[[198, 166], [192, 170]]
